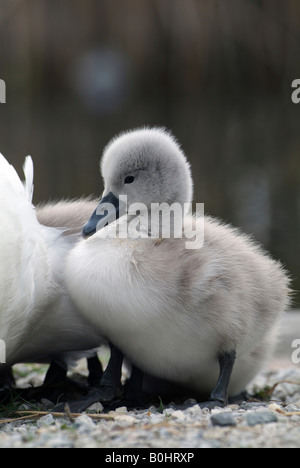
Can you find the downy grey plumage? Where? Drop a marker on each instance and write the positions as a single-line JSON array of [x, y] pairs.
[[173, 310]]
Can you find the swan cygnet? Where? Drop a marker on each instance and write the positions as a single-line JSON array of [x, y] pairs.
[[38, 322], [204, 317]]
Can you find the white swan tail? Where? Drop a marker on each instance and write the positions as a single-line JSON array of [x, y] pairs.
[[29, 173]]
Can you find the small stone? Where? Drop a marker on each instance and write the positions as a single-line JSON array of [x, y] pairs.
[[168, 412], [194, 410], [46, 420], [190, 402], [260, 417], [223, 419], [179, 415], [47, 404], [172, 406], [84, 424], [297, 403], [156, 418], [121, 409], [292, 408], [218, 410], [234, 407], [126, 418], [152, 409], [24, 407], [275, 408], [96, 408], [253, 405]]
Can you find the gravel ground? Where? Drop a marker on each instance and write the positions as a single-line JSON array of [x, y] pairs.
[[275, 423]]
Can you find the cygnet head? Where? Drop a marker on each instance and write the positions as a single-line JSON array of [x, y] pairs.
[[148, 166]]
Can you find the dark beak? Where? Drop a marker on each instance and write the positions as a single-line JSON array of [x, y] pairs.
[[106, 212]]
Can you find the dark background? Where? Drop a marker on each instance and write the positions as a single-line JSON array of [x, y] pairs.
[[218, 73]]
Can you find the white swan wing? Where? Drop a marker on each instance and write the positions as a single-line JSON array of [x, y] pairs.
[[24, 264]]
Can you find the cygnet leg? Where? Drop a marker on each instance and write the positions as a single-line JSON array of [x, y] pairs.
[[55, 374], [219, 395], [108, 389], [110, 384], [7, 383], [6, 376], [133, 392], [134, 386], [95, 371]]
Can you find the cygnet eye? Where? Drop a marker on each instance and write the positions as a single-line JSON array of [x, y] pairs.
[[129, 179]]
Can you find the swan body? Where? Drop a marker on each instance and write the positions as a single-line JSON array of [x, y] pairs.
[[38, 322], [172, 310]]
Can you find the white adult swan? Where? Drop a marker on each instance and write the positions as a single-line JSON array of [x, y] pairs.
[[204, 317], [38, 322]]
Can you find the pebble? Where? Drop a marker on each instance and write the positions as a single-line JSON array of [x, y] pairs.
[[223, 419], [95, 408], [46, 420], [84, 424], [260, 417], [178, 415]]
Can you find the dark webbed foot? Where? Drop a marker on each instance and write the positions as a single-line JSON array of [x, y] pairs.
[[81, 404], [211, 404], [130, 403], [102, 394]]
